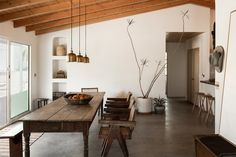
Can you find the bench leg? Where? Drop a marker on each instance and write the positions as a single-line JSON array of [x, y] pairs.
[[27, 144], [16, 148]]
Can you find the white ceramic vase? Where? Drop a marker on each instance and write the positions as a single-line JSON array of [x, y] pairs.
[[144, 105]]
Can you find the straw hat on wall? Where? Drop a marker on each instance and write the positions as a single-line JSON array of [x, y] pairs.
[[217, 58]]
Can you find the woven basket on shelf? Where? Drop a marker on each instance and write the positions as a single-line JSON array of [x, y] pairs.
[[61, 51]]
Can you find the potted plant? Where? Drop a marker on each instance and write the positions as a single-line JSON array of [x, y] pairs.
[[159, 105], [144, 103]]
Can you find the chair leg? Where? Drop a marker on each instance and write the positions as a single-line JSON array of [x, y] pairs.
[[200, 110], [207, 116], [209, 112], [201, 105], [126, 147], [123, 145], [104, 145], [107, 146], [207, 108], [195, 103], [104, 142]]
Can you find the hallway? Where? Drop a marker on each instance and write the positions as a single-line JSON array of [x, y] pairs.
[[154, 136]]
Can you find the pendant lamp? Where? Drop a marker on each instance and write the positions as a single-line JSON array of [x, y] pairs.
[[71, 55], [79, 57], [86, 58]]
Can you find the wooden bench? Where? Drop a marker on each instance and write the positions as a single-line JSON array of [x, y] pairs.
[[213, 146], [15, 139]]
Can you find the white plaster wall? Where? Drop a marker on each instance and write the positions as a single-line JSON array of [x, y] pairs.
[[227, 126], [112, 66], [19, 35], [202, 42], [177, 70]]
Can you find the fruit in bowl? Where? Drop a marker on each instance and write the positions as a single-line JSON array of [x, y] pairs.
[[78, 99]]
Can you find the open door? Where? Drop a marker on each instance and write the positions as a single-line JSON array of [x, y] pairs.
[[193, 74]]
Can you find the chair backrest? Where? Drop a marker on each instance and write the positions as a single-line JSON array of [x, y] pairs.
[[132, 114], [132, 102], [93, 89], [129, 96], [132, 117]]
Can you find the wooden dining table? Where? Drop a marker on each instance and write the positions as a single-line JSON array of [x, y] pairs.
[[58, 116]]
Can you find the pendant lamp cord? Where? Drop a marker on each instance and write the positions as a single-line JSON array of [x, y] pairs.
[[71, 34], [79, 26], [85, 8]]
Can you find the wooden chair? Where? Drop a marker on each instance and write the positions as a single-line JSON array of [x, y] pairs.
[[119, 102], [93, 89], [117, 129], [15, 139], [125, 99], [119, 107], [118, 111]]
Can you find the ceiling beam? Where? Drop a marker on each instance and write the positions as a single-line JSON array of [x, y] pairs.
[[60, 5], [206, 3], [35, 11], [92, 12], [13, 4], [110, 15], [67, 13]]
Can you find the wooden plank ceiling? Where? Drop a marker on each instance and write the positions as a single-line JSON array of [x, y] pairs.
[[44, 16]]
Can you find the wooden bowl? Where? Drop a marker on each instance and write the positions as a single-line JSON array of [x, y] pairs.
[[82, 99]]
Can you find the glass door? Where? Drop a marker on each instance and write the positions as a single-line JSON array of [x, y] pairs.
[[19, 79], [3, 81]]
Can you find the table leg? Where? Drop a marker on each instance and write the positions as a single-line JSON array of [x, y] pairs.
[[101, 108], [85, 136], [27, 142]]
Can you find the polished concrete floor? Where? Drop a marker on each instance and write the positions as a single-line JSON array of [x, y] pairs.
[[167, 135]]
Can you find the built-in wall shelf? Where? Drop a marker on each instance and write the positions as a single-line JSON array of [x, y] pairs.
[[59, 64], [59, 80], [59, 87], [58, 41], [59, 58]]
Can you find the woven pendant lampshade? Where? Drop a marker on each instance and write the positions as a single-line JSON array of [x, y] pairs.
[[79, 58], [71, 55], [86, 59]]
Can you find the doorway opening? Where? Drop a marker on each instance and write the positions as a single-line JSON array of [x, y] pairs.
[[179, 48]]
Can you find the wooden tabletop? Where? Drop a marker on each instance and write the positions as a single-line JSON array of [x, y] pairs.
[[59, 110]]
